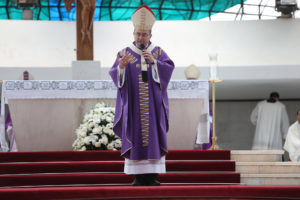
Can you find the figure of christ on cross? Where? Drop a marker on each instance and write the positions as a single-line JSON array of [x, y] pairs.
[[87, 16], [85, 9]]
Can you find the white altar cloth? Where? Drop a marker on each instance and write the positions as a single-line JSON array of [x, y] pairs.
[[91, 89]]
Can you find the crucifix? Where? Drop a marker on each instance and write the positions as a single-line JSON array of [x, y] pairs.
[[85, 10]]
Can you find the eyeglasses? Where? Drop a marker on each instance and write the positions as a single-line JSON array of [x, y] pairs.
[[141, 35]]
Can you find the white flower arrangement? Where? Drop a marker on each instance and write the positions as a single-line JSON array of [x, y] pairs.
[[95, 132]]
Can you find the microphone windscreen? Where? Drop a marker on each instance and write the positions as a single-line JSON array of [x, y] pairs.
[[144, 76], [142, 48]]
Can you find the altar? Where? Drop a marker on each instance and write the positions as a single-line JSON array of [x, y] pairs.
[[46, 113]]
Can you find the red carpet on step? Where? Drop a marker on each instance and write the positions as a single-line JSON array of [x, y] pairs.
[[115, 178], [158, 192], [46, 156], [115, 166], [98, 175]]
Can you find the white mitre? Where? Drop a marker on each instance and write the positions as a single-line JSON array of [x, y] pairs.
[[192, 72], [143, 18]]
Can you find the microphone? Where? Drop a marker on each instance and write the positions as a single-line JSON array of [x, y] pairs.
[[144, 71], [142, 48]]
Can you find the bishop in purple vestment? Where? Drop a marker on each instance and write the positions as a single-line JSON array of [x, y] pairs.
[[142, 72]]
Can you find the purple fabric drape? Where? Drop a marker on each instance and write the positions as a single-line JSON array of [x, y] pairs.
[[206, 146], [8, 121], [10, 133]]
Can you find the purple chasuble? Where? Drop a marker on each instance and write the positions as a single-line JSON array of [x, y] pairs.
[[142, 109]]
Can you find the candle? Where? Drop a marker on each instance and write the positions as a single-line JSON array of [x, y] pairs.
[[213, 59]]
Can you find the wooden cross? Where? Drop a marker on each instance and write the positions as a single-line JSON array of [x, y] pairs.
[[85, 10]]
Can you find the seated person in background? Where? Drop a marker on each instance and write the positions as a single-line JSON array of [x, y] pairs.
[[292, 142], [26, 76]]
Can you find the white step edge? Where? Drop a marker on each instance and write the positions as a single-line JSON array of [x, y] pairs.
[[270, 179], [257, 155], [257, 152], [267, 167]]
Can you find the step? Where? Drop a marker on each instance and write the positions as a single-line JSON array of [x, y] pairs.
[[114, 179], [257, 155], [111, 166], [48, 156], [270, 179], [153, 192], [268, 167], [198, 155]]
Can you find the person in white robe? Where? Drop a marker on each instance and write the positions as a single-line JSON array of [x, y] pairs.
[[292, 142], [271, 120]]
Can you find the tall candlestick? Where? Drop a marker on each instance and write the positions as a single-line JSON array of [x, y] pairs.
[[213, 59]]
